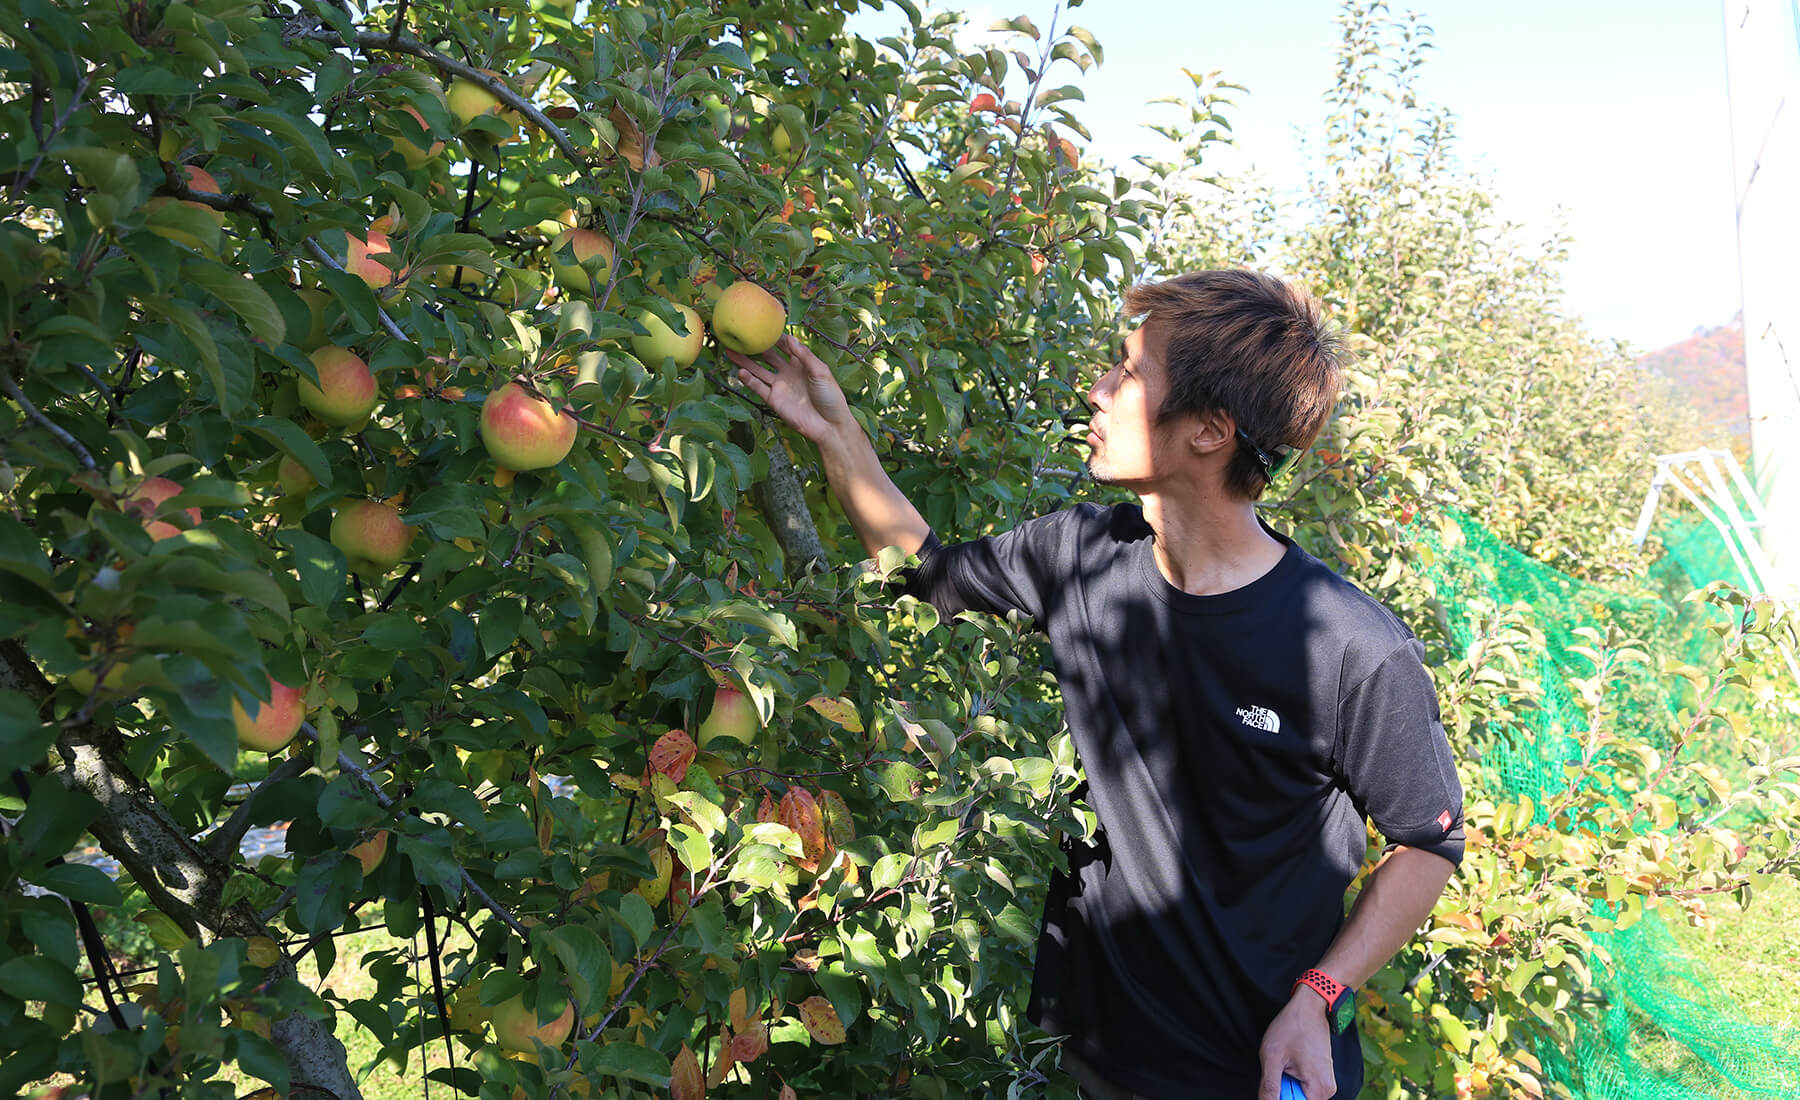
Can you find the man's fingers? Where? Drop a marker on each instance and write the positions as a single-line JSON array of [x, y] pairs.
[[1270, 1089], [758, 386]]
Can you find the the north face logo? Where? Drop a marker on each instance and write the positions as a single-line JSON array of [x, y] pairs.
[[1260, 718]]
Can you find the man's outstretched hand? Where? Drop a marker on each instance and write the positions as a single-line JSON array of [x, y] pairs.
[[798, 387]]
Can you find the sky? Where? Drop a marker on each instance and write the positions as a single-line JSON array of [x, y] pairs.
[[1609, 115]]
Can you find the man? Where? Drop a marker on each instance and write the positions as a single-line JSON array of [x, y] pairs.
[[1238, 708]]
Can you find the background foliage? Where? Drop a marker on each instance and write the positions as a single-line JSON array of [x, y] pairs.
[[847, 903]]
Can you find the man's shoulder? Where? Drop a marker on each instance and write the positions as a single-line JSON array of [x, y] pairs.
[[1348, 618]]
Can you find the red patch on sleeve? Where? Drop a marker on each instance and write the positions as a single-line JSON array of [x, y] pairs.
[[1444, 820]]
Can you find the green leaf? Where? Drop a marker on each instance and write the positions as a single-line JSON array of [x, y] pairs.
[[21, 555], [779, 626], [499, 624], [35, 978], [634, 911], [24, 738], [242, 296], [584, 959], [78, 882], [321, 565], [901, 781], [1013, 923], [302, 135], [628, 1061]]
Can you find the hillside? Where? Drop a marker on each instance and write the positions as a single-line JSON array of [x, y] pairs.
[[1706, 373]]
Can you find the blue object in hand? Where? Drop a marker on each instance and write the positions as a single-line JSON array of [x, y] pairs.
[[1290, 1089]]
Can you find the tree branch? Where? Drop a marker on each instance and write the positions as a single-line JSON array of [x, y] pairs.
[[12, 390]]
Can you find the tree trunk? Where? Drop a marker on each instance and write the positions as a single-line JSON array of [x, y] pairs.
[[180, 876]]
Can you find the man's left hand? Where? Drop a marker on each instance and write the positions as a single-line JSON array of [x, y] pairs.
[[1298, 1044]]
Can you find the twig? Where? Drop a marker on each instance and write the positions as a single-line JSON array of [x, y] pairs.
[[387, 803], [44, 140], [386, 321], [11, 389], [399, 43]]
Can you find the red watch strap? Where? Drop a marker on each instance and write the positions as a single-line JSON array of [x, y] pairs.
[[1323, 984]]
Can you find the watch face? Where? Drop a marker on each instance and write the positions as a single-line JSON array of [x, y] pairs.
[[1344, 1011]]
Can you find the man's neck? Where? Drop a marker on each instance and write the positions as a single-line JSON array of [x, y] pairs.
[[1207, 545]]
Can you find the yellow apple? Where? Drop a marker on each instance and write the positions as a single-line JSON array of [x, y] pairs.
[[371, 534], [516, 1026], [522, 431], [748, 319], [346, 393], [274, 723], [593, 257], [468, 100], [660, 341]]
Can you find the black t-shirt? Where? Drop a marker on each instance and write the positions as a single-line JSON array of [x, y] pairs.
[[1234, 745]]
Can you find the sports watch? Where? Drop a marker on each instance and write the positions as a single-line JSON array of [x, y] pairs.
[[1340, 999]]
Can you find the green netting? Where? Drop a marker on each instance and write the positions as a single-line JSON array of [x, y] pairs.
[[1664, 1028]]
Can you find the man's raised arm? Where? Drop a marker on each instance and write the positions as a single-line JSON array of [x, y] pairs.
[[800, 389]]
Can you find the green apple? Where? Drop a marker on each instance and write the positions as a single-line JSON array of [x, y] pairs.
[[592, 260], [371, 534], [522, 431], [416, 157], [468, 100], [346, 393], [660, 341], [748, 319], [295, 479], [732, 715]]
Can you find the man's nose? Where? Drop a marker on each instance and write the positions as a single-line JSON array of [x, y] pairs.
[[1101, 391]]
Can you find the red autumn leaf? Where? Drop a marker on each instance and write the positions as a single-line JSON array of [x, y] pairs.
[[983, 102], [787, 1092], [767, 811], [685, 1080], [800, 812], [748, 1046], [821, 1021], [672, 754]]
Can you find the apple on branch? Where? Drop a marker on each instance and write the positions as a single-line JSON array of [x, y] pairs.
[[346, 392], [592, 256], [748, 319], [516, 1026], [659, 341], [733, 715], [274, 723], [148, 497], [414, 156], [522, 431], [371, 534]]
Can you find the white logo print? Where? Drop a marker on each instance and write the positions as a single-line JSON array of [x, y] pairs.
[[1260, 718]]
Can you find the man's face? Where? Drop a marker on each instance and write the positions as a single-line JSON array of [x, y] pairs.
[[1129, 447]]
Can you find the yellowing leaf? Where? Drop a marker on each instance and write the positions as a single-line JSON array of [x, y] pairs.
[[723, 1063], [263, 951], [821, 1021], [800, 812], [685, 1080], [840, 829], [840, 711]]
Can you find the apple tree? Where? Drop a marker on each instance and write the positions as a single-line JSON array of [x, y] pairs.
[[368, 467]]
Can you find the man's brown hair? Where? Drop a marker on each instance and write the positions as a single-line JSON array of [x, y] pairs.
[[1251, 346]]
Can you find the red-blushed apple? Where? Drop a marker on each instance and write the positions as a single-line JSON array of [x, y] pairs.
[[198, 179], [371, 534], [416, 157], [346, 393], [370, 852], [148, 497], [733, 715], [522, 431], [660, 340], [593, 257], [360, 260], [274, 723], [516, 1026], [748, 319]]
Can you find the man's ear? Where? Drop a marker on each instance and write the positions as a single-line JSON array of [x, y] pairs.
[[1212, 431]]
